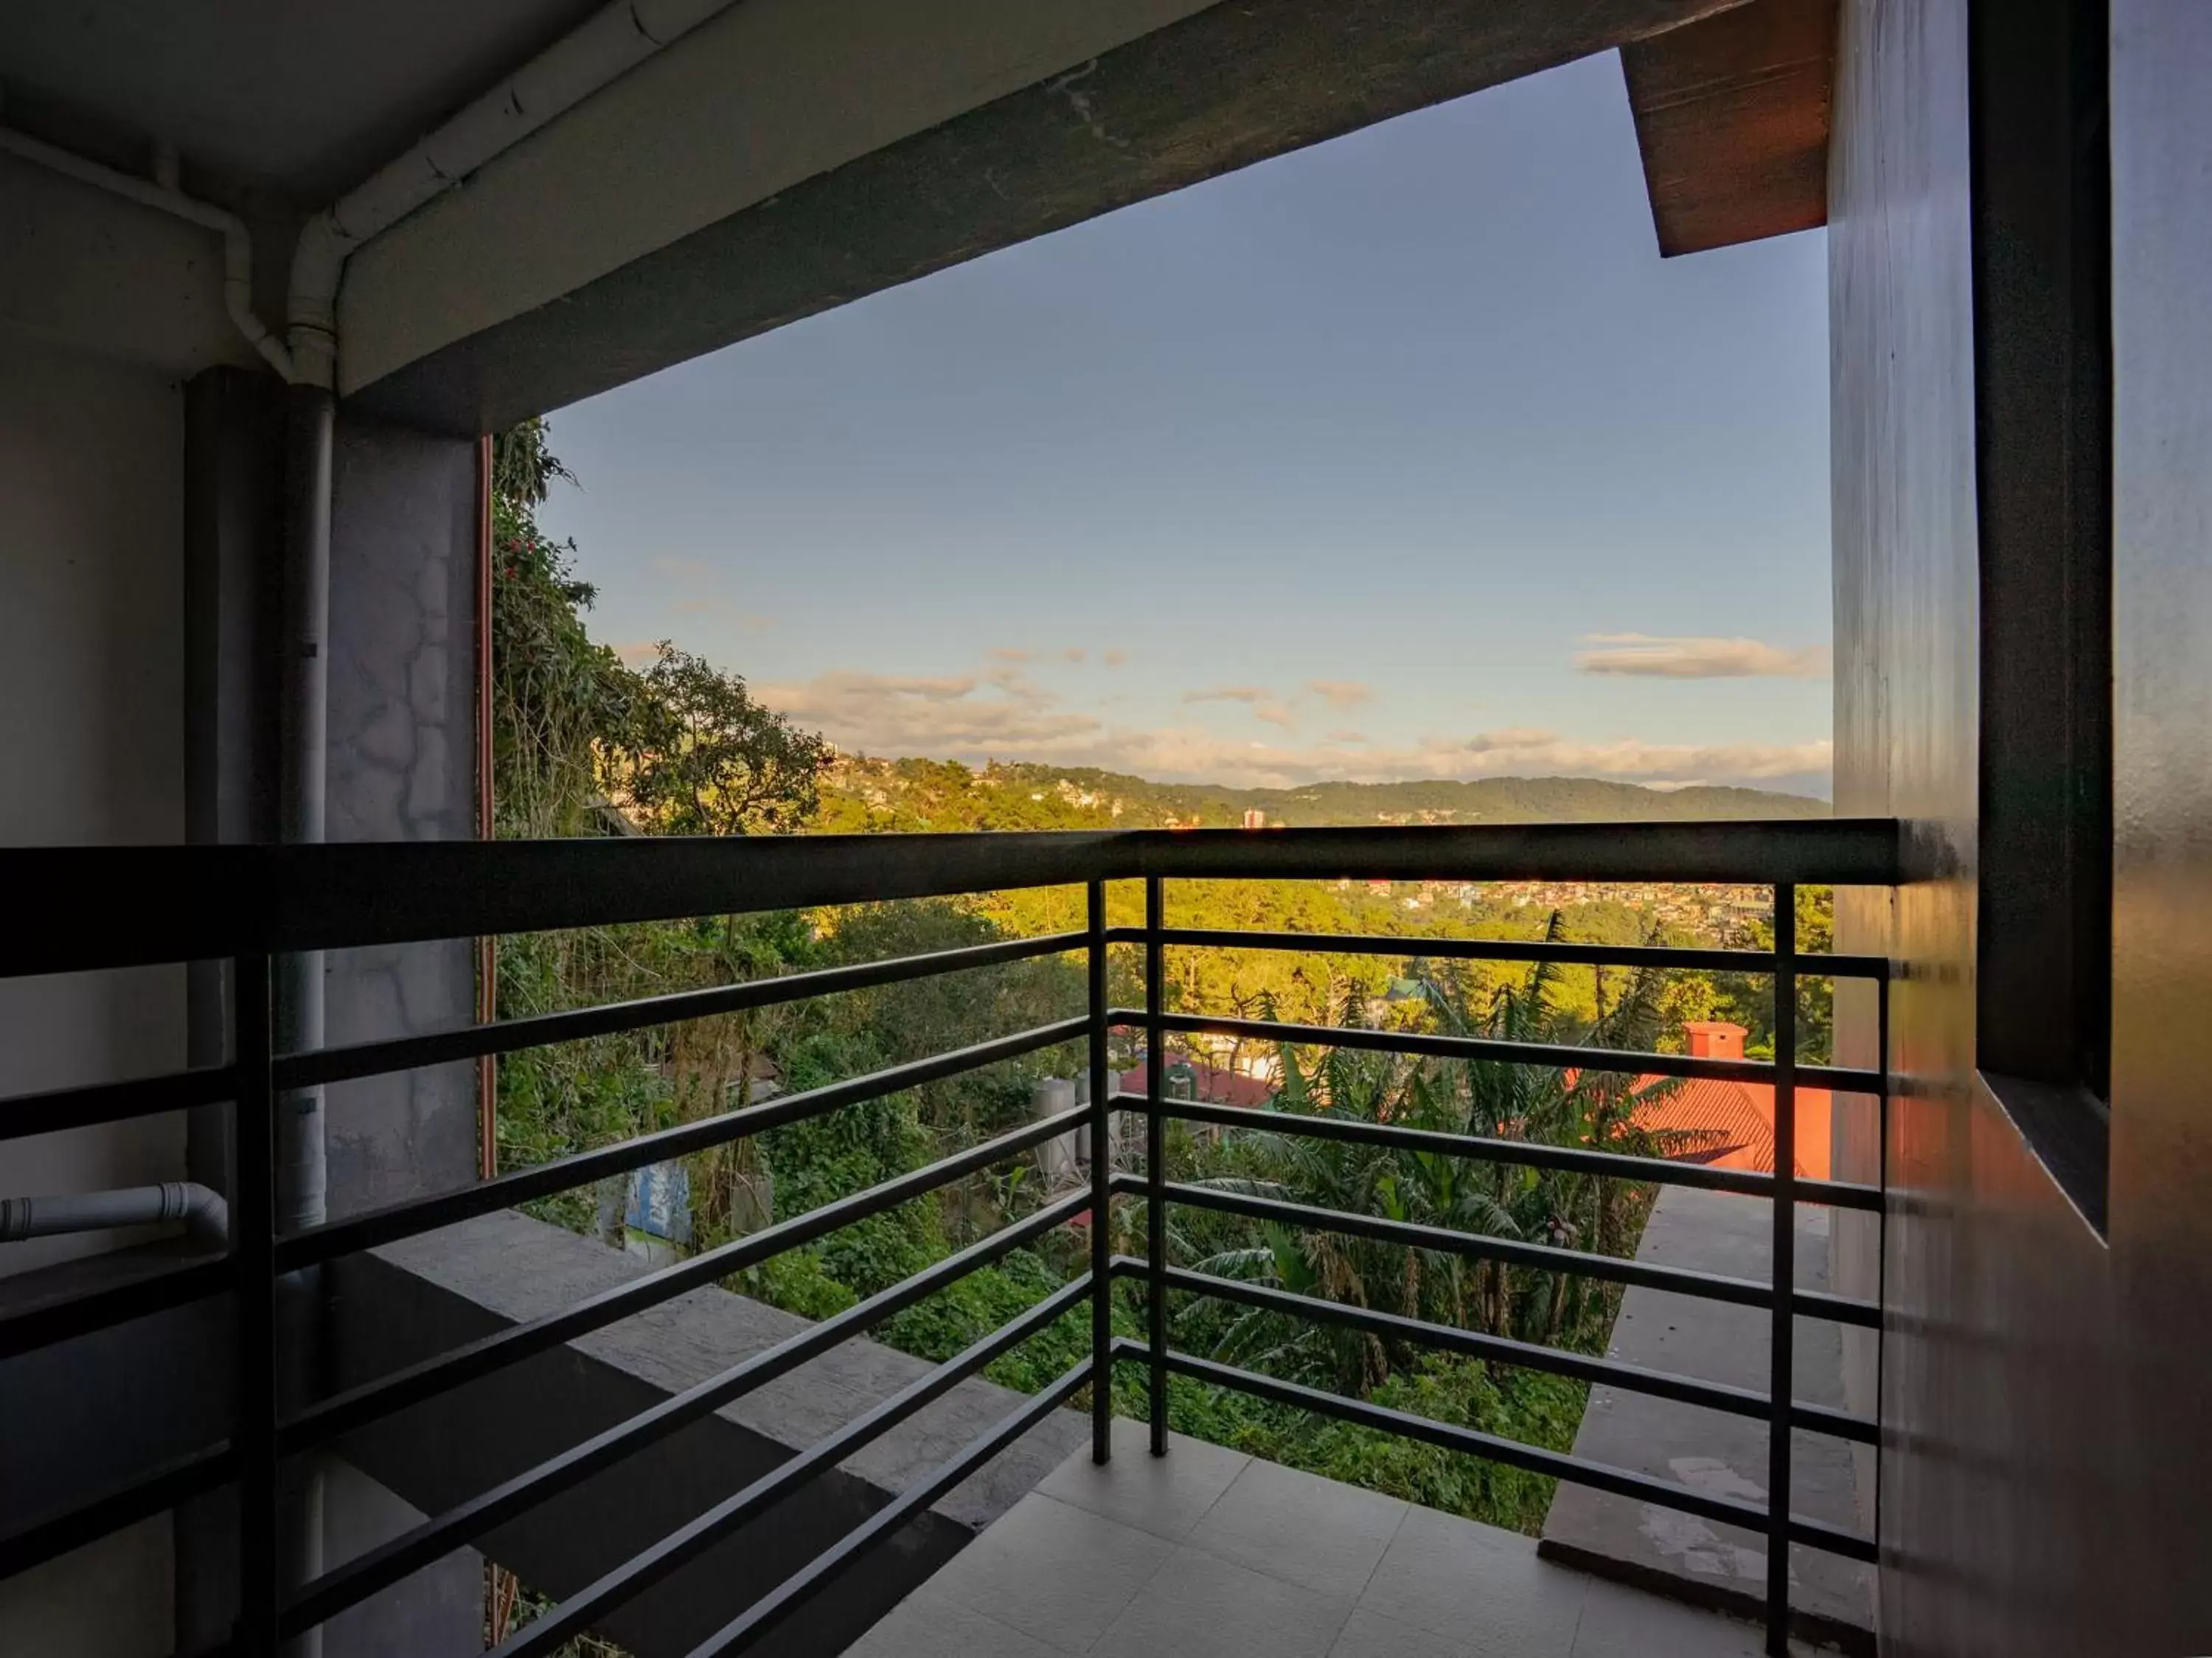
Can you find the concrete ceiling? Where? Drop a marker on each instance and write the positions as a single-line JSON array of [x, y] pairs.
[[305, 98], [784, 157], [796, 155]]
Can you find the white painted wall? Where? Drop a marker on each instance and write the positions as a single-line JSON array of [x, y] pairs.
[[103, 308], [91, 731], [109, 1600]]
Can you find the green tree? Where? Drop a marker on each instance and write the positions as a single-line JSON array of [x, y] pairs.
[[555, 695], [1487, 1098], [696, 755]]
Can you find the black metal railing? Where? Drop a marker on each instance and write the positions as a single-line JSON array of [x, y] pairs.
[[249, 904]]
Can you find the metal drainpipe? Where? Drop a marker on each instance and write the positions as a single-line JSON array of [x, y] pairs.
[[302, 1170]]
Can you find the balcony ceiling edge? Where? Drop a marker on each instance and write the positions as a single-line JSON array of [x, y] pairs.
[[1213, 91]]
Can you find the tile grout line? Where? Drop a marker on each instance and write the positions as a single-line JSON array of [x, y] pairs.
[[977, 1612], [1405, 1513], [1200, 1519]]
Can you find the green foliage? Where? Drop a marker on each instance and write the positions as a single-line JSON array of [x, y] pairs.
[[554, 693], [1527, 1405], [1485, 1097], [862, 794], [696, 755], [681, 747], [1748, 999]]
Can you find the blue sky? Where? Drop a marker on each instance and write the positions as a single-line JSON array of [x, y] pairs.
[[1405, 455]]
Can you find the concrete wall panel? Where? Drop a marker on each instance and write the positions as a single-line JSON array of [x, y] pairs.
[[91, 731], [2046, 1452], [403, 750]]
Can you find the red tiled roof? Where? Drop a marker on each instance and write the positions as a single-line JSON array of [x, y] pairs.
[[1708, 1121], [1216, 1087]]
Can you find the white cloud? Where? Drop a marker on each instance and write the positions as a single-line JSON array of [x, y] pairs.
[[1004, 716], [953, 716], [1113, 658], [1342, 695], [1689, 658], [1229, 694], [1276, 714]]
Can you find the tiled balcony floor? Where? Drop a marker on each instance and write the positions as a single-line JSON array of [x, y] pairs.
[[1207, 1551]]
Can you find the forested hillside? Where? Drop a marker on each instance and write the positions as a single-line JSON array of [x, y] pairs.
[[860, 794], [585, 744]]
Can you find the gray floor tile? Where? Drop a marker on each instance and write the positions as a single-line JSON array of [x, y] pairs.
[[1052, 1571], [924, 1626], [1371, 1635], [1300, 1527], [1478, 1586], [1197, 1603], [1165, 1496], [1618, 1622]]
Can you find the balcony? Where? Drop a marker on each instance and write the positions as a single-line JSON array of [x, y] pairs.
[[1209, 1552], [1135, 1527]]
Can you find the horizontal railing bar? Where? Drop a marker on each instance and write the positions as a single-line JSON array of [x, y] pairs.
[[1750, 852], [1661, 1384], [1559, 1465], [419, 1215], [380, 1567], [574, 1616], [1644, 956], [342, 1412], [1557, 1056], [56, 1109], [1529, 1154], [44, 1323], [188, 902], [1711, 1286], [1838, 1309], [787, 1596], [509, 1036], [122, 1505]]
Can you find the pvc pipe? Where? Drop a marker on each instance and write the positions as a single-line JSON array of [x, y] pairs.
[[303, 639], [204, 1212], [237, 246], [613, 40], [302, 799]]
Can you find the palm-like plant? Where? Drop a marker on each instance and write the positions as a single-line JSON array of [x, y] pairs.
[[1490, 1098]]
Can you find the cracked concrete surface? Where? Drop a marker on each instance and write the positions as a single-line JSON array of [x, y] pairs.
[[403, 754]]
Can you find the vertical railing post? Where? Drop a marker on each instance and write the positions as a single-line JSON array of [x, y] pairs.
[[254, 1263], [1101, 1180], [1782, 1383], [1882, 1232], [1155, 1177]]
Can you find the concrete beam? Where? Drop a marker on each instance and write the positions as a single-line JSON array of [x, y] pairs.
[[796, 158], [1732, 122], [91, 272]]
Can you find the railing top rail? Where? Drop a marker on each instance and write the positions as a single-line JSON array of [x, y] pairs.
[[87, 907]]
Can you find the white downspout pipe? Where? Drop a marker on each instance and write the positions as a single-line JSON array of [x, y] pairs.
[[162, 198], [611, 41]]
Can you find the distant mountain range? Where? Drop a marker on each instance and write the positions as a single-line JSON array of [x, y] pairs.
[[870, 793]]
